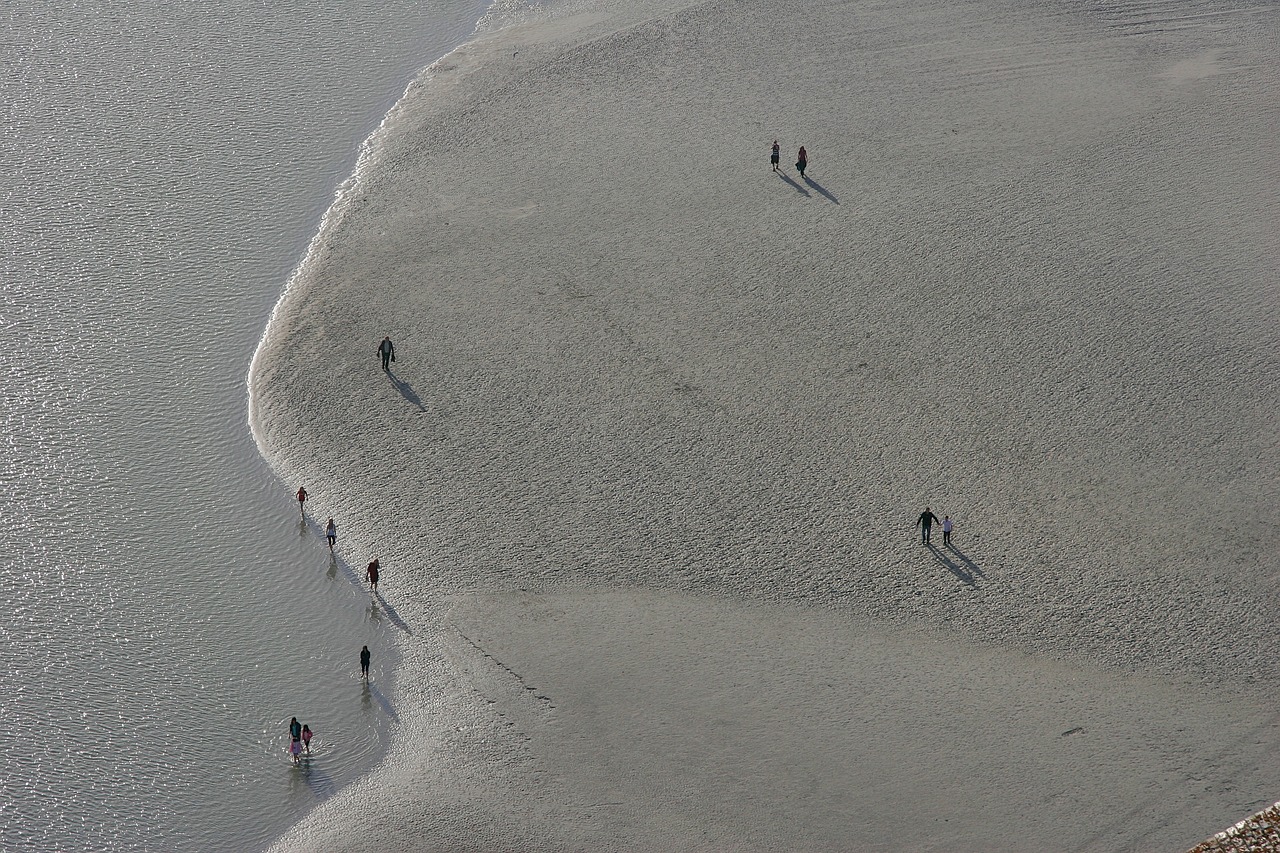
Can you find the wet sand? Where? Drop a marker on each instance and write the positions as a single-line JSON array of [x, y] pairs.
[[644, 475]]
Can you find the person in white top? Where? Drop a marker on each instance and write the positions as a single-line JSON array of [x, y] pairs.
[[946, 531], [331, 533]]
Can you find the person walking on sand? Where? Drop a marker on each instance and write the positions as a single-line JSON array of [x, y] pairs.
[[925, 523], [331, 533], [371, 574], [306, 739], [802, 160], [364, 662], [387, 350], [774, 155], [946, 531], [302, 499]]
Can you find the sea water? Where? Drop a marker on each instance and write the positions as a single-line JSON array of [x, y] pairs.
[[166, 607]]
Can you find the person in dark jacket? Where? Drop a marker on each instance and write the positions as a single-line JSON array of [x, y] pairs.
[[925, 522]]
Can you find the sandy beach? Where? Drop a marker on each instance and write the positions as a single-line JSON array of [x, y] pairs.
[[644, 475]]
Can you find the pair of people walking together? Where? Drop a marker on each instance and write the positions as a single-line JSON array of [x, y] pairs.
[[802, 159], [299, 739], [926, 521]]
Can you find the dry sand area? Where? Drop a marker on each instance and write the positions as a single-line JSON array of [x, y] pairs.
[[644, 476]]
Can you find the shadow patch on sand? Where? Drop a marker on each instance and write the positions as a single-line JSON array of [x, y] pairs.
[[821, 190], [406, 390], [955, 561], [380, 603], [370, 695], [795, 186]]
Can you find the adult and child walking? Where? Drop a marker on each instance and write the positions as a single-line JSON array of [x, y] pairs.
[[299, 739], [802, 158], [926, 521]]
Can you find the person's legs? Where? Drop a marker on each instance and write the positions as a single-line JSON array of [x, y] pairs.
[[924, 534]]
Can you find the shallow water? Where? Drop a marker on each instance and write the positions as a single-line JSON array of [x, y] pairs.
[[166, 610]]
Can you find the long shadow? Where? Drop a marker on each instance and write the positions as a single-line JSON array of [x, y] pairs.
[[962, 571], [969, 565], [804, 192], [391, 613], [337, 564], [821, 189], [406, 391], [373, 693], [320, 783]]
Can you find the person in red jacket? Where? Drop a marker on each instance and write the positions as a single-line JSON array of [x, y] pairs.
[[302, 499]]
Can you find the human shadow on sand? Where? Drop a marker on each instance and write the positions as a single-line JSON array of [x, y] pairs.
[[337, 564], [794, 185], [957, 563], [308, 772], [372, 694], [822, 190], [380, 603], [406, 391]]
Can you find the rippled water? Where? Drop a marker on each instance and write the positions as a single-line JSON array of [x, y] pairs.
[[165, 610]]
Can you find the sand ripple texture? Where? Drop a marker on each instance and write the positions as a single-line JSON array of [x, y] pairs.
[[1028, 281]]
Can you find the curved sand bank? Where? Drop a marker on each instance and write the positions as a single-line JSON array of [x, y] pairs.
[[643, 480]]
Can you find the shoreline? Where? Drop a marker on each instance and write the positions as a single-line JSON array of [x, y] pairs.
[[577, 410]]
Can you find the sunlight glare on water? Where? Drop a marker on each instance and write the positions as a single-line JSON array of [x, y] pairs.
[[165, 611]]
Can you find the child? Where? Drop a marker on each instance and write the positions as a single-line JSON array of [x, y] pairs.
[[295, 749], [306, 738], [946, 531]]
